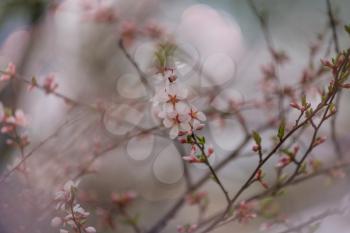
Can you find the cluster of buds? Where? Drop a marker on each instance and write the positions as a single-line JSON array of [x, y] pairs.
[[335, 63], [318, 141], [301, 107], [10, 122], [245, 212], [49, 85], [196, 198], [188, 228], [197, 156], [123, 199], [259, 177], [288, 157], [75, 216], [10, 72]]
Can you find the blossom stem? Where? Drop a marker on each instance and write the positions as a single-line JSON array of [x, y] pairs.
[[212, 170]]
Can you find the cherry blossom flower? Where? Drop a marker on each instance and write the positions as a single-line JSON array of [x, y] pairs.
[[75, 215], [10, 72], [177, 122], [196, 118]]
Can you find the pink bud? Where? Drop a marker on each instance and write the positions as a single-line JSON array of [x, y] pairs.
[[295, 105], [256, 148]]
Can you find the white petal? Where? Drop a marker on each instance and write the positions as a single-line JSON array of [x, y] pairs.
[[174, 132], [185, 126], [181, 107], [201, 116], [168, 122]]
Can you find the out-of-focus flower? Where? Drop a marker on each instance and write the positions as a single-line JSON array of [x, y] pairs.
[[188, 228], [10, 72], [56, 222], [65, 195], [90, 229], [50, 84], [196, 198], [153, 30], [19, 119], [128, 33], [123, 199], [245, 212]]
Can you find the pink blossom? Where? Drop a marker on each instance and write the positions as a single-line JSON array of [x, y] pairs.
[[196, 118], [49, 84], [123, 199], [10, 72], [128, 32], [177, 122], [18, 119]]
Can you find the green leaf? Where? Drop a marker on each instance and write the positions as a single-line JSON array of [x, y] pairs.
[[347, 28], [201, 140], [281, 130], [256, 137]]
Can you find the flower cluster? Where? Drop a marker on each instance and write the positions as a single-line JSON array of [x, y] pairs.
[[10, 122], [196, 156], [245, 212], [74, 215], [288, 157], [177, 114]]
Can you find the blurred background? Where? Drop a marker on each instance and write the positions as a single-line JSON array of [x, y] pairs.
[[223, 36]]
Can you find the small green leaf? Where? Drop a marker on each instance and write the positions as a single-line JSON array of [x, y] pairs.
[[347, 28], [201, 140], [281, 130], [256, 137]]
